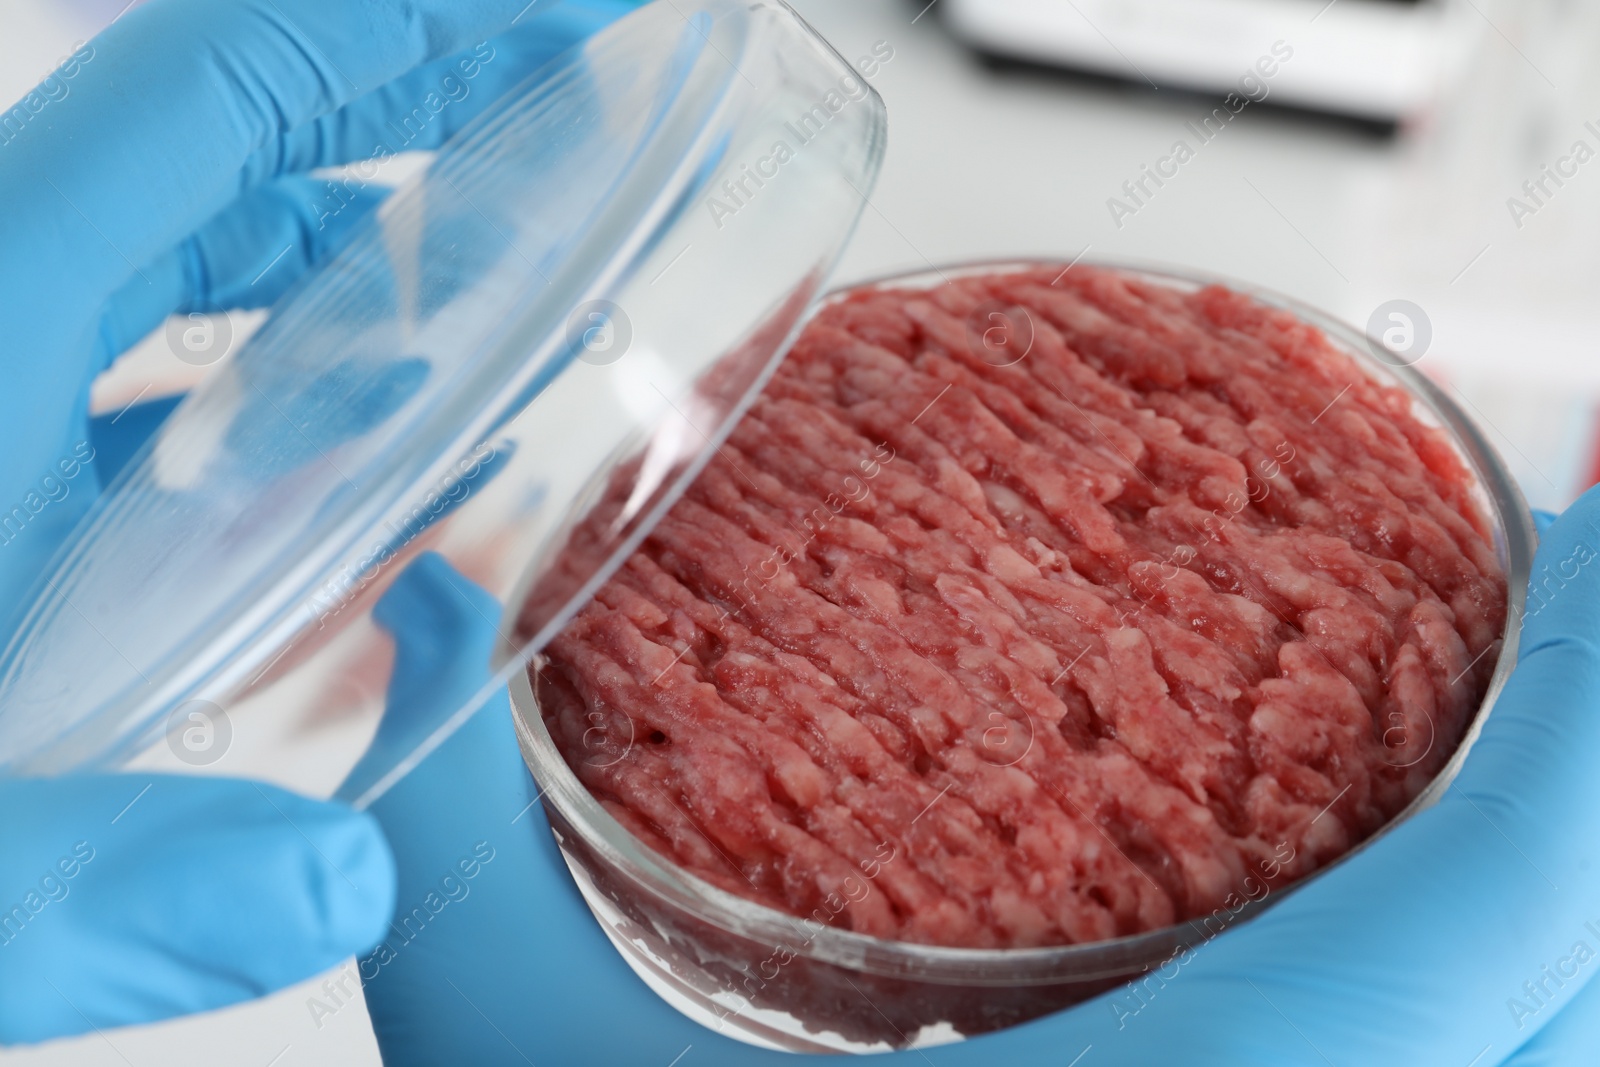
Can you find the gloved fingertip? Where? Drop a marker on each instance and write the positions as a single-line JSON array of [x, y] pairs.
[[431, 590], [117, 437], [322, 209], [181, 894], [481, 767], [358, 904], [339, 863]]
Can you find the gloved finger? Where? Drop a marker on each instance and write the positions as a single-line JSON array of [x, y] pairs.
[[211, 84], [151, 896], [444, 628], [117, 436], [245, 257], [252, 251], [493, 956], [424, 107], [513, 966], [341, 402], [478, 871]]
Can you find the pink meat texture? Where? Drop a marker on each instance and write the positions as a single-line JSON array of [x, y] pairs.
[[1038, 609]]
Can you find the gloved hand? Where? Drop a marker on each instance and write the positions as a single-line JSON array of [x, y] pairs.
[[163, 169], [1459, 939]]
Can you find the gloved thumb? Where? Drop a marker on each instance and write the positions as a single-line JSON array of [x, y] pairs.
[[134, 898]]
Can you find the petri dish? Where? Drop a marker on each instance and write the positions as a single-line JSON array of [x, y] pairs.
[[777, 980]]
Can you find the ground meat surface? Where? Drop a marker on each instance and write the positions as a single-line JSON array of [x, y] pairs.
[[1038, 608]]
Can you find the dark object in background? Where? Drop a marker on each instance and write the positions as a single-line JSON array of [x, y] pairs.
[[1381, 63]]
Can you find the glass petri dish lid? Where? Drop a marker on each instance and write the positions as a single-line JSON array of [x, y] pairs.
[[580, 293]]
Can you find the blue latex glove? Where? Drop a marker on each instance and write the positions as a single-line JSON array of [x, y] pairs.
[[162, 169], [1414, 952]]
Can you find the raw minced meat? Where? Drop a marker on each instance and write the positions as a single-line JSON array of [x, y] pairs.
[[1035, 609]]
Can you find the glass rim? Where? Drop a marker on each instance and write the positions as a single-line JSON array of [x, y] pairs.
[[1515, 539]]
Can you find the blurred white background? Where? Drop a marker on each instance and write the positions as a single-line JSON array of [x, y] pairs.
[[998, 163]]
